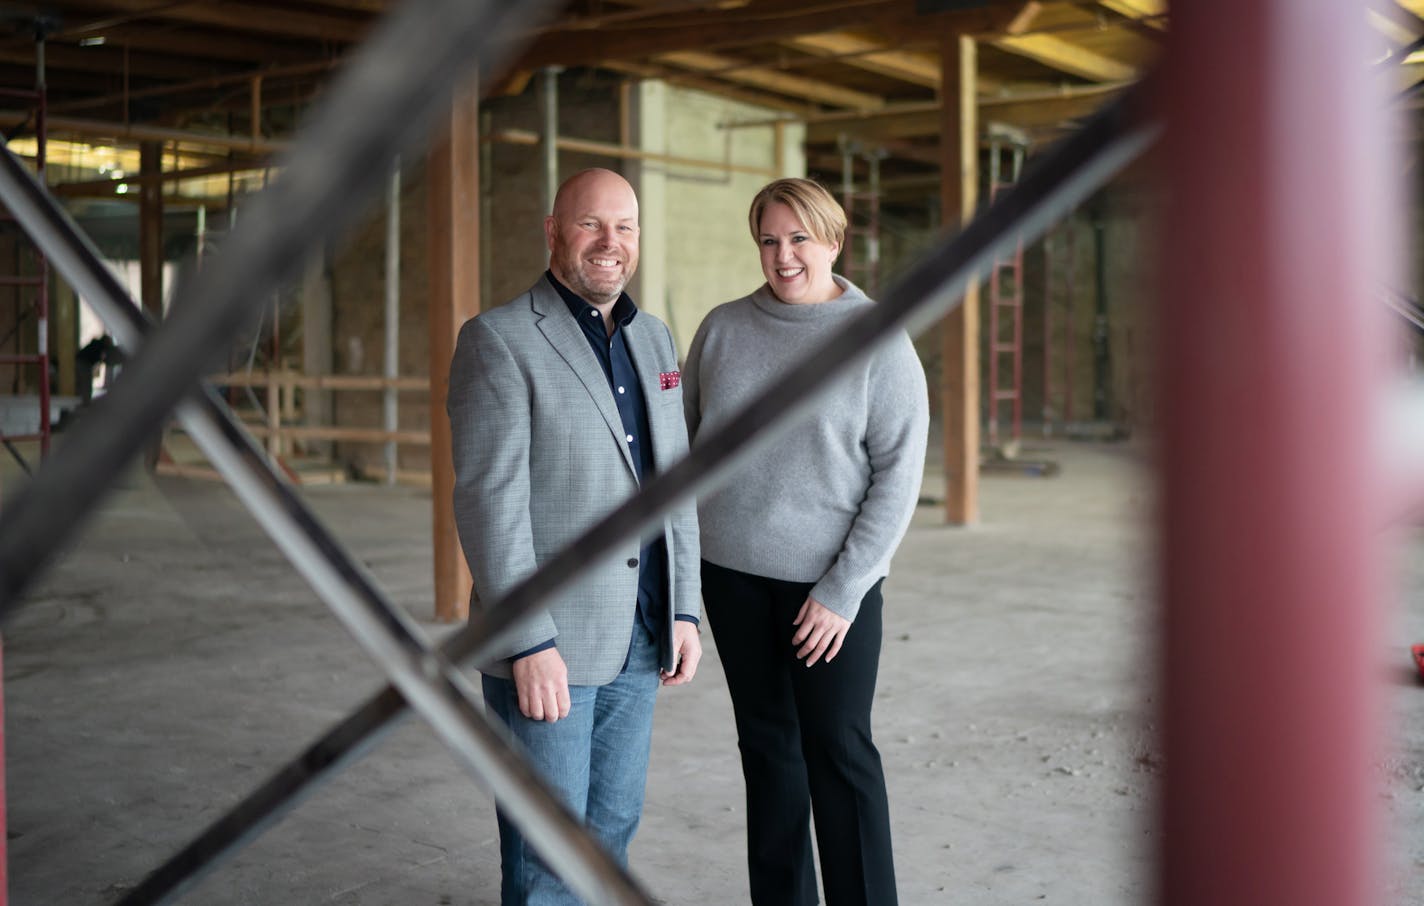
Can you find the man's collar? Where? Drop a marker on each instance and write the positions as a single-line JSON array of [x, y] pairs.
[[623, 310]]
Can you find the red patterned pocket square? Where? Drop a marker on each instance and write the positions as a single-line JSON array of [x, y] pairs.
[[669, 379]]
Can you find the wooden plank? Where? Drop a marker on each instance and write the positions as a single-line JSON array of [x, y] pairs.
[[732, 70], [920, 120], [1065, 56], [453, 187], [684, 79], [959, 189], [872, 56], [247, 17], [753, 23]]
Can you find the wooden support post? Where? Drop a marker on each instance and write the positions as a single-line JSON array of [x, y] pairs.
[[453, 182], [150, 229], [1282, 221], [256, 115], [959, 190], [274, 415]]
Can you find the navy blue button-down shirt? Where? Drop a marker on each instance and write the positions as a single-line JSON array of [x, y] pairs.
[[612, 353]]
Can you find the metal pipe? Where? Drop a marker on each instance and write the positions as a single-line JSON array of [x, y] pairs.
[[549, 140], [390, 405], [620, 152], [1283, 219]]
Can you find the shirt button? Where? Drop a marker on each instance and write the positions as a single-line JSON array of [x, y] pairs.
[[632, 561], [630, 438], [620, 389]]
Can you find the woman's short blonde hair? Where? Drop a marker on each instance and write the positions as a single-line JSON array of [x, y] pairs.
[[816, 208]]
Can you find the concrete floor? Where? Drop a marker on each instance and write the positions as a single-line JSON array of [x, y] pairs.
[[172, 660]]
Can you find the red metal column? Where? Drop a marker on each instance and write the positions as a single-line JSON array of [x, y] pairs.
[[4, 826], [1274, 244]]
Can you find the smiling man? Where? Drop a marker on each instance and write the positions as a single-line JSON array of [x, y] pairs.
[[562, 402]]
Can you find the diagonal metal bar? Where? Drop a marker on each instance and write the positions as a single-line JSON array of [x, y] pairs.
[[423, 678], [1062, 179], [384, 102]]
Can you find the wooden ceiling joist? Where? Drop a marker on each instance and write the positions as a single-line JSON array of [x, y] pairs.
[[1065, 56], [700, 83], [814, 90], [277, 20], [873, 56], [760, 22], [1150, 12]]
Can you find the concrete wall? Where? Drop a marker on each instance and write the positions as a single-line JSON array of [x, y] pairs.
[[697, 252]]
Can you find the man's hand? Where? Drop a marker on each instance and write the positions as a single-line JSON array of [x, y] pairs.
[[822, 631], [686, 652], [542, 681]]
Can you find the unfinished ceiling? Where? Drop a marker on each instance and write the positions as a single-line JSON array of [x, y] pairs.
[[865, 72]]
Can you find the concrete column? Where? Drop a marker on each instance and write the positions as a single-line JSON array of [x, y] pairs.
[[648, 127], [64, 337], [317, 352]]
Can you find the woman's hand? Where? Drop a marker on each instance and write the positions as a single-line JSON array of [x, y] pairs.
[[821, 631]]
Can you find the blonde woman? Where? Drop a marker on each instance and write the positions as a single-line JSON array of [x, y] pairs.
[[795, 547]]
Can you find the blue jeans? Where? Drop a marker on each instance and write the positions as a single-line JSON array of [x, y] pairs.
[[596, 761]]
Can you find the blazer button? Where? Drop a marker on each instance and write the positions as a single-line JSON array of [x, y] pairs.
[[632, 561]]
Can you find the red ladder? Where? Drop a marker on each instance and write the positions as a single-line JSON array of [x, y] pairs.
[[38, 281], [1005, 302]]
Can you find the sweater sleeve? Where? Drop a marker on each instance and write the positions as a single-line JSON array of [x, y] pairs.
[[897, 431]]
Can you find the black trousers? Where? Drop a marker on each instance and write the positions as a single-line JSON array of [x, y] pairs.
[[804, 735]]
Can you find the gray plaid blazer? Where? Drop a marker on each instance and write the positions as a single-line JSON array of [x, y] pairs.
[[540, 455]]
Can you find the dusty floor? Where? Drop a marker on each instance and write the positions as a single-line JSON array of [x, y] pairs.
[[172, 660]]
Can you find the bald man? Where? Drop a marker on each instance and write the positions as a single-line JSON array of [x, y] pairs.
[[562, 402]]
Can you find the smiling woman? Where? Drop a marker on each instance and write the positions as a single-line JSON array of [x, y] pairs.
[[795, 548]]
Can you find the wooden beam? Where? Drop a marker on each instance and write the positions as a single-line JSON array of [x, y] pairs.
[[340, 27], [1151, 12], [917, 120], [732, 70], [453, 191], [184, 43], [711, 86], [109, 61], [1065, 56], [872, 56], [959, 188], [754, 23], [150, 230]]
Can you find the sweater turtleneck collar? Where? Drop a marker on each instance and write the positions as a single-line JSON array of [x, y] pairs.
[[850, 297]]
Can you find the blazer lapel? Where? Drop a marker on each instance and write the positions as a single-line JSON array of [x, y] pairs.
[[567, 338]]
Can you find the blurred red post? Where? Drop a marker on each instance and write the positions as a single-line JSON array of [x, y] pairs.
[[4, 835], [1277, 238]]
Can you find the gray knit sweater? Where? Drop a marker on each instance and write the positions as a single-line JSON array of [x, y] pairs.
[[828, 500]]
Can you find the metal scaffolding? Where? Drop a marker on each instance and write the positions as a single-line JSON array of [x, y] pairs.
[[382, 105], [37, 282]]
